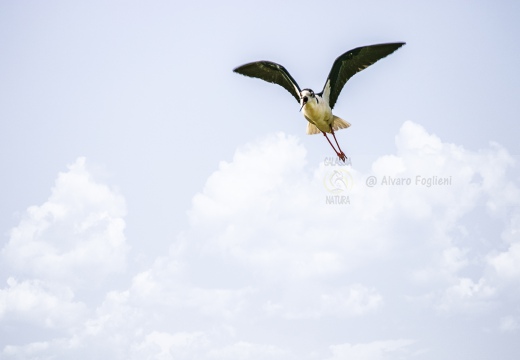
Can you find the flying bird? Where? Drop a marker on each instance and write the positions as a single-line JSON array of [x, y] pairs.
[[317, 107]]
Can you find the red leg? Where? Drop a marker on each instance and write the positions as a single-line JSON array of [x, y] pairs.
[[341, 154]]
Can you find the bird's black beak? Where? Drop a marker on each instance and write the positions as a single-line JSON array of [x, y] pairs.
[[304, 101]]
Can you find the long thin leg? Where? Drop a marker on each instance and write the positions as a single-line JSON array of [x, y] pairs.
[[340, 154]]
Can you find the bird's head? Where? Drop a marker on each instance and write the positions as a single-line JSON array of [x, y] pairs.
[[305, 96]]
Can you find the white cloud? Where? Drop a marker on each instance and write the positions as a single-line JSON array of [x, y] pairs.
[[30, 351], [197, 345], [70, 244], [248, 351], [275, 222], [509, 324], [165, 286], [507, 263], [265, 210], [40, 349], [468, 296], [38, 303], [315, 302], [251, 180], [264, 250], [377, 350], [453, 259], [164, 346], [76, 236]]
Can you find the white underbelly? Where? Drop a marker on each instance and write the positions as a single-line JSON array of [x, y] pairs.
[[321, 116]]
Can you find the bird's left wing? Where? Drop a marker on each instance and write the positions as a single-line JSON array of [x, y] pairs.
[[352, 62], [273, 73]]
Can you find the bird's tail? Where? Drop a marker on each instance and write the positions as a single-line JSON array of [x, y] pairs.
[[312, 129], [338, 123]]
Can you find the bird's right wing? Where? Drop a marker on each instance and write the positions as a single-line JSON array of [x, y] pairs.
[[352, 62], [273, 73]]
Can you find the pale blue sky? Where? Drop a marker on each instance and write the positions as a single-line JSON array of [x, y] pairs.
[[136, 106]]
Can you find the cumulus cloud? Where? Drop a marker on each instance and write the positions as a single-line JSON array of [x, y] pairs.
[[467, 295], [509, 324], [268, 252], [377, 350], [317, 302], [75, 237], [164, 346], [71, 243], [41, 304], [277, 222], [506, 263], [162, 287], [248, 351], [266, 210]]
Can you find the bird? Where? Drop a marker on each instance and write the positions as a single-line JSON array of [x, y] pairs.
[[317, 107]]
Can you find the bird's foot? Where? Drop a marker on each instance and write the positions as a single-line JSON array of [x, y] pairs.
[[342, 156]]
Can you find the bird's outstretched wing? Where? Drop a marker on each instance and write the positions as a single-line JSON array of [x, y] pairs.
[[273, 73], [352, 62]]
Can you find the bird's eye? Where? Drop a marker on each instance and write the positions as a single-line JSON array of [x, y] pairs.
[[305, 99]]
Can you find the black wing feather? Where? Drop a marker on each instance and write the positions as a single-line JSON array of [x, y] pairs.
[[352, 62], [273, 73]]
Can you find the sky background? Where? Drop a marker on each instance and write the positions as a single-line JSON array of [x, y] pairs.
[[156, 205]]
